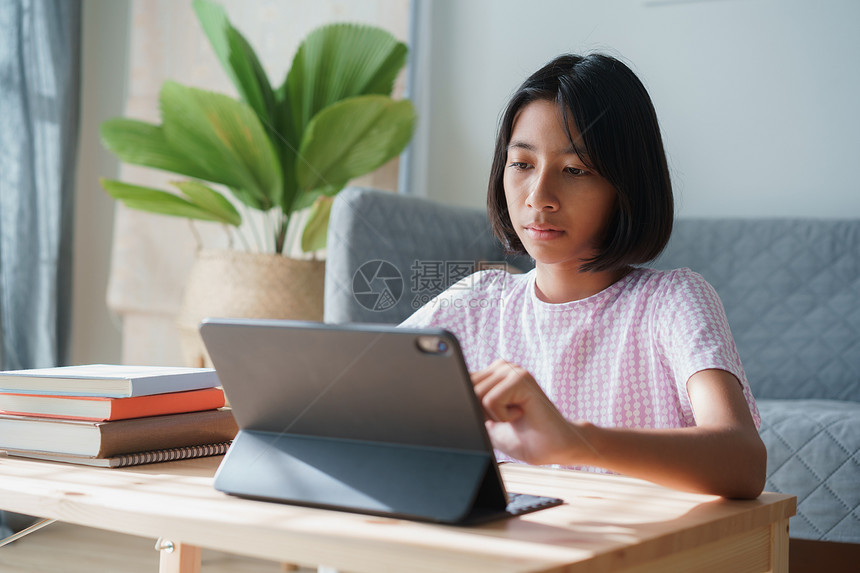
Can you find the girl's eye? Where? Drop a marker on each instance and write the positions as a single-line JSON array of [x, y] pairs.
[[519, 165], [576, 171]]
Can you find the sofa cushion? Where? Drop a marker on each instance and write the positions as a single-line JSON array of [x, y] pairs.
[[791, 290], [814, 453]]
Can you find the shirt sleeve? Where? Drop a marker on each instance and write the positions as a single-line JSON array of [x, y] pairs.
[[469, 310], [696, 334], [438, 311]]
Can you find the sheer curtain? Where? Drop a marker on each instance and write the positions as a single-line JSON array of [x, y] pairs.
[[39, 84]]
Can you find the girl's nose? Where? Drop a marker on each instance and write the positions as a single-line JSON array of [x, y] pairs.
[[542, 196]]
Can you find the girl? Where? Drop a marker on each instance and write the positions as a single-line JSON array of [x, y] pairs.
[[588, 360]]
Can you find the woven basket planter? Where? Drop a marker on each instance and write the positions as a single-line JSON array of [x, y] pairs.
[[235, 284]]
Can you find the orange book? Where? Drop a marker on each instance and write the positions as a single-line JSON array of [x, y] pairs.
[[102, 409]]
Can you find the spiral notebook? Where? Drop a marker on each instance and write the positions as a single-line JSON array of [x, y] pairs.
[[132, 459], [365, 418]]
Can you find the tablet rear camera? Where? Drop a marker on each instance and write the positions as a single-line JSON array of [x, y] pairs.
[[433, 345]]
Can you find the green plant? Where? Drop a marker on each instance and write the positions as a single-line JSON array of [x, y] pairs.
[[277, 150]]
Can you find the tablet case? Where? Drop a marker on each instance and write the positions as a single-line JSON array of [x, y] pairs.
[[360, 417]]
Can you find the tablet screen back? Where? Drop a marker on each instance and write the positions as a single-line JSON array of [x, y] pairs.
[[362, 382]]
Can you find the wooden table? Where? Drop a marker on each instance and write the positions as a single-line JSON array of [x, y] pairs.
[[607, 523]]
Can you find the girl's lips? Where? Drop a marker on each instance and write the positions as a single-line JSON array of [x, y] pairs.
[[542, 233]]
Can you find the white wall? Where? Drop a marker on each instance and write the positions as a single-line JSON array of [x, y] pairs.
[[104, 68], [759, 101]]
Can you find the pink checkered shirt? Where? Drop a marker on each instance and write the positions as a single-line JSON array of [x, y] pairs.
[[620, 358]]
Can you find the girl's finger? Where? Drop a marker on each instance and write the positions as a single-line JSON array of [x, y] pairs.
[[479, 375], [502, 399], [484, 386]]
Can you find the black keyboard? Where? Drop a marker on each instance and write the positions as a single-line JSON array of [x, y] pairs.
[[519, 503]]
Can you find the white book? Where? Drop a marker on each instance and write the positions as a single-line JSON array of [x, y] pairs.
[[107, 380]]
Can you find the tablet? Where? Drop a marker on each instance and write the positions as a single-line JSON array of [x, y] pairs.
[[368, 418]]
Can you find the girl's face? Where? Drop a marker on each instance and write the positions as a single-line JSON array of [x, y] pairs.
[[558, 207]]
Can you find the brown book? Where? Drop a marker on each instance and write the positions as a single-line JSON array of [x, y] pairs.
[[106, 439]]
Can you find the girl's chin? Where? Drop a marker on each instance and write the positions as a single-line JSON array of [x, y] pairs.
[[542, 254]]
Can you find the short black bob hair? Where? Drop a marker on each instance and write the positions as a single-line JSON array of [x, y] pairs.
[[620, 140]]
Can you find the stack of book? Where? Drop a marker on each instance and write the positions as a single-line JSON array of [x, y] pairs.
[[113, 416]]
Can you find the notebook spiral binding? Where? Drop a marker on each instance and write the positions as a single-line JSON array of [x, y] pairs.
[[171, 454]]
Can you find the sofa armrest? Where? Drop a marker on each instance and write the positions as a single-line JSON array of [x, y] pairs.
[[387, 254]]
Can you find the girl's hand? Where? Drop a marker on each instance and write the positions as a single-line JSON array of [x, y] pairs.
[[723, 454], [521, 420]]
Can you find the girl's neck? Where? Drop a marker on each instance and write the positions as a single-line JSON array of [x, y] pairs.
[[557, 285]]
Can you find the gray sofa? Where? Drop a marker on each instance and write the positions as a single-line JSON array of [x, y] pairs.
[[791, 289]]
